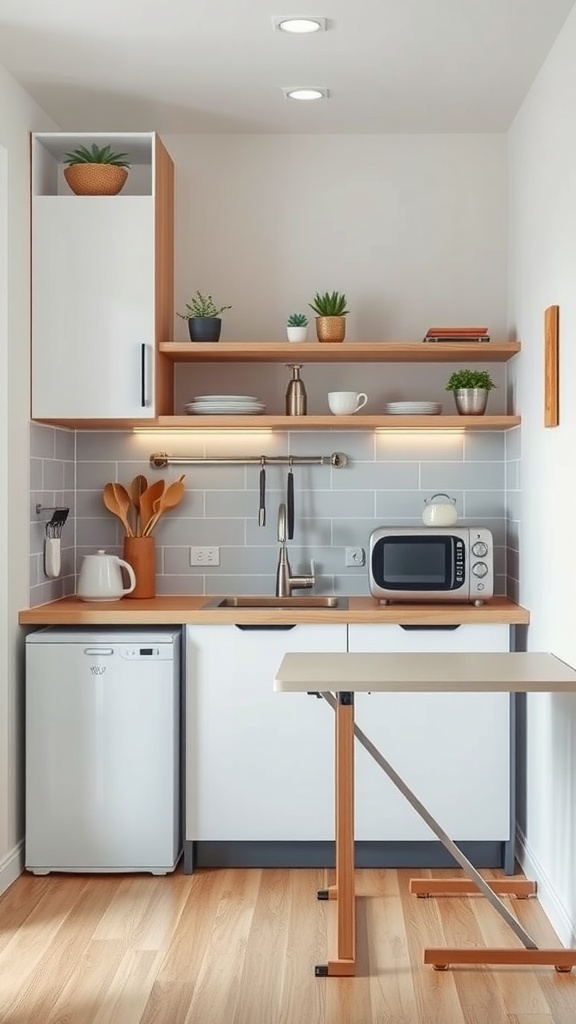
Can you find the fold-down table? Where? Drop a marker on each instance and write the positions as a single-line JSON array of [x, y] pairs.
[[337, 677]]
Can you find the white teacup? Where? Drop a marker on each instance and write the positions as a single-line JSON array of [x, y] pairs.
[[346, 403]]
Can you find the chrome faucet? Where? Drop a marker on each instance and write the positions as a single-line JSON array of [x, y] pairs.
[[285, 581]]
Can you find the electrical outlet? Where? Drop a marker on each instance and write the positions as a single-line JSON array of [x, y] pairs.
[[204, 556], [354, 556]]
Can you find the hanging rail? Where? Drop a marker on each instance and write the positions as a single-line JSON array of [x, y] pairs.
[[337, 460]]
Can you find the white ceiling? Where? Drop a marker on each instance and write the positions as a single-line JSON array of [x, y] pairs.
[[218, 66]]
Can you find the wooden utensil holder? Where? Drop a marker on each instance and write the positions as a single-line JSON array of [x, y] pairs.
[[140, 552]]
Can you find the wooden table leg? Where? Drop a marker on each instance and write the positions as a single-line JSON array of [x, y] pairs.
[[343, 892]]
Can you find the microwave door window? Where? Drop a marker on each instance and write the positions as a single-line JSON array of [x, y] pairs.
[[417, 564]]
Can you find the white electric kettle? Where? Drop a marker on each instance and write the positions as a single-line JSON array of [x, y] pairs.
[[440, 513], [100, 578]]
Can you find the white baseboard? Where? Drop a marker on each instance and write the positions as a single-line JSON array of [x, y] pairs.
[[11, 867], [556, 911]]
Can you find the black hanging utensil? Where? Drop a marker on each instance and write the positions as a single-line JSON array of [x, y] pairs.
[[262, 509], [290, 500], [54, 527]]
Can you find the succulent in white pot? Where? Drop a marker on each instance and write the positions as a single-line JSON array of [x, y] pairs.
[[297, 327]]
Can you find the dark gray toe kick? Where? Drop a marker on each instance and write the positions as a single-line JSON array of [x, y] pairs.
[[321, 855]]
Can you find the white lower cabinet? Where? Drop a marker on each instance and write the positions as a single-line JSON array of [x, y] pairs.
[[259, 764], [452, 750]]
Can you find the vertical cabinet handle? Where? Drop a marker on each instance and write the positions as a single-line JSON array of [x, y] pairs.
[[143, 376]]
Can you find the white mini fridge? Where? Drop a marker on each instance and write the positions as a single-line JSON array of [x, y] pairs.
[[103, 750]]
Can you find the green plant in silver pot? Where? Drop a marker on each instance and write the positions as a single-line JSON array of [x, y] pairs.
[[471, 389]]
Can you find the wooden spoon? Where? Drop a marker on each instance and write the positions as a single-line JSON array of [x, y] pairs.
[[123, 499], [136, 489], [115, 502], [172, 496], [147, 499]]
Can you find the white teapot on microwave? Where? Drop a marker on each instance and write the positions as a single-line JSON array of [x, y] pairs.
[[440, 513]]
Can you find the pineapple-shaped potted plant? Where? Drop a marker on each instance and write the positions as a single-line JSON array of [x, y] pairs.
[[203, 316], [297, 327], [96, 171], [330, 309]]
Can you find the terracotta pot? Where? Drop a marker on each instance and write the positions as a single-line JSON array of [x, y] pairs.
[[95, 179], [331, 328], [140, 553]]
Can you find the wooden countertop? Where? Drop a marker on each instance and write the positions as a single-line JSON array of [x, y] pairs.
[[187, 610]]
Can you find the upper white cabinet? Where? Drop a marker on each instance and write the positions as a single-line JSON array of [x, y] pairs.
[[102, 285]]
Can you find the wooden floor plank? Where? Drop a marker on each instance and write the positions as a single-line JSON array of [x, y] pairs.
[[86, 993], [391, 976], [477, 990], [303, 996], [520, 989], [129, 991], [266, 951], [225, 953], [437, 999]]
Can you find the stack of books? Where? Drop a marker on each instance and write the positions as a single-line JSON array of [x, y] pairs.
[[457, 334]]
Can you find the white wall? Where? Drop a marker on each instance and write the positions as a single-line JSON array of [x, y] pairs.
[[542, 146], [411, 227], [18, 115]]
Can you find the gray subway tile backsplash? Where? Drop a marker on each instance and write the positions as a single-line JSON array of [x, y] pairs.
[[375, 476], [484, 446], [473, 476], [388, 479]]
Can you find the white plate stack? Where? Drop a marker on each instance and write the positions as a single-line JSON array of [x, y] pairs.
[[225, 405], [413, 408]]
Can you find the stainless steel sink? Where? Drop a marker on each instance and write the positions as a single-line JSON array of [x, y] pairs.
[[277, 602]]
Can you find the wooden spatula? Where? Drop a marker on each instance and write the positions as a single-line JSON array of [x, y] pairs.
[[147, 499], [136, 490]]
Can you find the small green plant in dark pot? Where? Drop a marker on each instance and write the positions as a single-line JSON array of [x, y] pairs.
[[297, 327], [471, 389], [203, 316], [96, 171]]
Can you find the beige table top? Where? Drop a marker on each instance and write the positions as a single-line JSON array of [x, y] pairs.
[[530, 672]]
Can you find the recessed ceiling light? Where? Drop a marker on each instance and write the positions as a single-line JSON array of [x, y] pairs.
[[299, 26], [305, 94]]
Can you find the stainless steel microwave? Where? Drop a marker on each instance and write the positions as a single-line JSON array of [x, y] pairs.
[[426, 563]]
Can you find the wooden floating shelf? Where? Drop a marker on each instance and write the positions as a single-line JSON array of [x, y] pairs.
[[324, 422], [329, 422], [344, 352]]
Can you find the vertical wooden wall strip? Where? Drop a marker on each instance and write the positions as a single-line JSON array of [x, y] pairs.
[[551, 409]]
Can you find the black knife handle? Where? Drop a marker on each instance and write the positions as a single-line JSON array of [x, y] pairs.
[[262, 509], [290, 504]]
